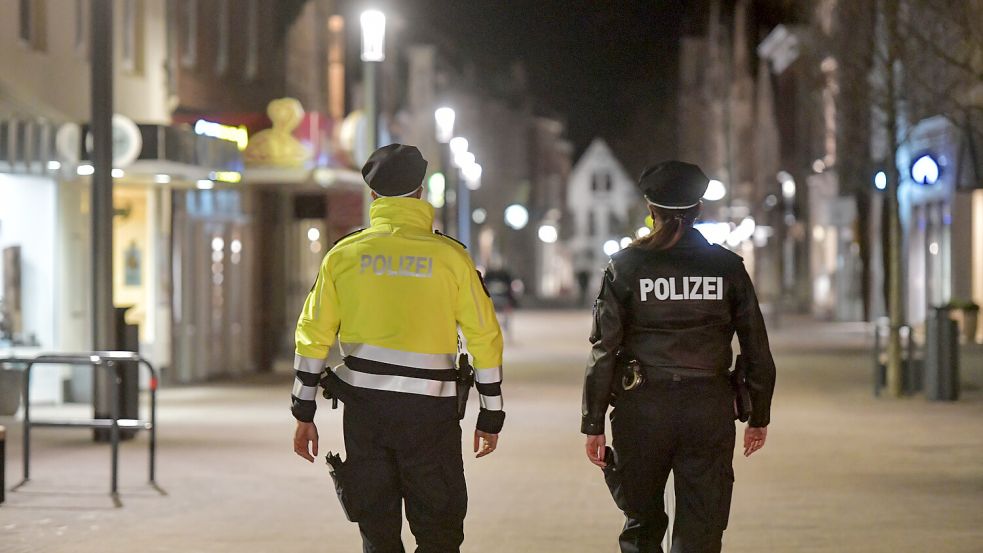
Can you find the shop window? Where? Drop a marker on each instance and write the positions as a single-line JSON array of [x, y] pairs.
[[252, 39], [189, 36], [81, 41], [32, 25], [222, 50], [131, 45]]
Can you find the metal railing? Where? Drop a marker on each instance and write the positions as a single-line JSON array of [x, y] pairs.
[[111, 361]]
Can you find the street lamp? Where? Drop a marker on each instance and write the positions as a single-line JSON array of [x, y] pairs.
[[444, 117], [715, 191], [373, 53], [464, 160], [444, 129]]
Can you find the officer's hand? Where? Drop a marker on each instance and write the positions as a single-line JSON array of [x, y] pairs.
[[487, 441], [595, 450], [306, 437], [754, 439]]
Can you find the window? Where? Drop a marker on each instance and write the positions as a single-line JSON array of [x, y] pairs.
[[222, 50], [252, 39], [189, 36], [600, 182], [591, 224], [81, 41], [131, 45], [31, 24]]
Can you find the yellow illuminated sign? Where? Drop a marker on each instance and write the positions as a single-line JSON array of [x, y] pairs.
[[239, 135], [227, 176]]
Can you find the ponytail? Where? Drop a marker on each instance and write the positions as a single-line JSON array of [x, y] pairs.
[[670, 224]]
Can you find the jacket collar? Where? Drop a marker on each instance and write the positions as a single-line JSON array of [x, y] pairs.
[[692, 238], [399, 213]]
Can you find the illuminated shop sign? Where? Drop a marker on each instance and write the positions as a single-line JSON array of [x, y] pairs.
[[239, 134], [925, 170]]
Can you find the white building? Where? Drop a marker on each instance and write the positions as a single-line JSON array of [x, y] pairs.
[[600, 195]]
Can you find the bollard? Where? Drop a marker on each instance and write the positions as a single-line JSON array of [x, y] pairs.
[[3, 462], [942, 357]]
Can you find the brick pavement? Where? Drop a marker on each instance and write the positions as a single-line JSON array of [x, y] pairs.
[[842, 471]]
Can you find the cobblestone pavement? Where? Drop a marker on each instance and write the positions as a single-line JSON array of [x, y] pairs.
[[842, 471]]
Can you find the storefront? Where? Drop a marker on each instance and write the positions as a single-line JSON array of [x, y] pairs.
[[942, 217]]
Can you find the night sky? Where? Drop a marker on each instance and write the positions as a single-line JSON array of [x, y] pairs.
[[605, 68]]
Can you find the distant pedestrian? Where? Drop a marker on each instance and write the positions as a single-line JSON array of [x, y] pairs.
[[668, 308], [394, 296], [501, 284]]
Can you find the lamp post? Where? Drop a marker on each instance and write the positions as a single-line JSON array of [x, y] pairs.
[[457, 147], [444, 118], [373, 54]]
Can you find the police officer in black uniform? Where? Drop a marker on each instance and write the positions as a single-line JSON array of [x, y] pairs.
[[664, 320]]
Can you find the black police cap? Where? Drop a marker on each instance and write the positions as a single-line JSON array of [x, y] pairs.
[[395, 170], [673, 184]]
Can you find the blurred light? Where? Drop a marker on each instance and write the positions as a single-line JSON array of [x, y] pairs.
[[336, 23], [880, 180], [435, 189], [444, 117], [643, 232], [819, 166], [85, 170], [373, 35], [783, 176], [117, 173], [925, 170], [239, 135], [315, 247], [54, 165], [516, 216], [771, 201], [611, 247], [625, 242], [464, 160], [715, 191], [205, 184], [743, 231], [226, 176], [548, 234], [479, 216], [218, 244], [715, 233], [788, 189], [472, 176], [162, 179], [236, 245], [313, 234], [933, 248], [458, 145], [818, 233]]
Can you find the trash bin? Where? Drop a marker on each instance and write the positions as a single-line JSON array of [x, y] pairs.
[[941, 356], [127, 339]]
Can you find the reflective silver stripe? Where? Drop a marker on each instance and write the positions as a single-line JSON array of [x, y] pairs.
[[397, 357], [488, 376], [492, 403], [304, 392], [391, 383], [308, 364], [671, 206]]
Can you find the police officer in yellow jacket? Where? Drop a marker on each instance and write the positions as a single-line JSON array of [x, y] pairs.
[[394, 296]]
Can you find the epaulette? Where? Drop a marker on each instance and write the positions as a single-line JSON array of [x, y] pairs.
[[455, 240], [352, 233]]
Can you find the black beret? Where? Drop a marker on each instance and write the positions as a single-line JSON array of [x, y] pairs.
[[395, 170], [673, 184]]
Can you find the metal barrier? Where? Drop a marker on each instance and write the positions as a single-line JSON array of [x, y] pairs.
[[911, 371], [110, 361]]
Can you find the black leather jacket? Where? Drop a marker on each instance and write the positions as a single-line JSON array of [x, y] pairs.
[[677, 308]]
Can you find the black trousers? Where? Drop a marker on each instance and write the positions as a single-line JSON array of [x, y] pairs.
[[393, 461], [684, 425]]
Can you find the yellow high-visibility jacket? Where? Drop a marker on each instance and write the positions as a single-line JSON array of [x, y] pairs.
[[394, 295]]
